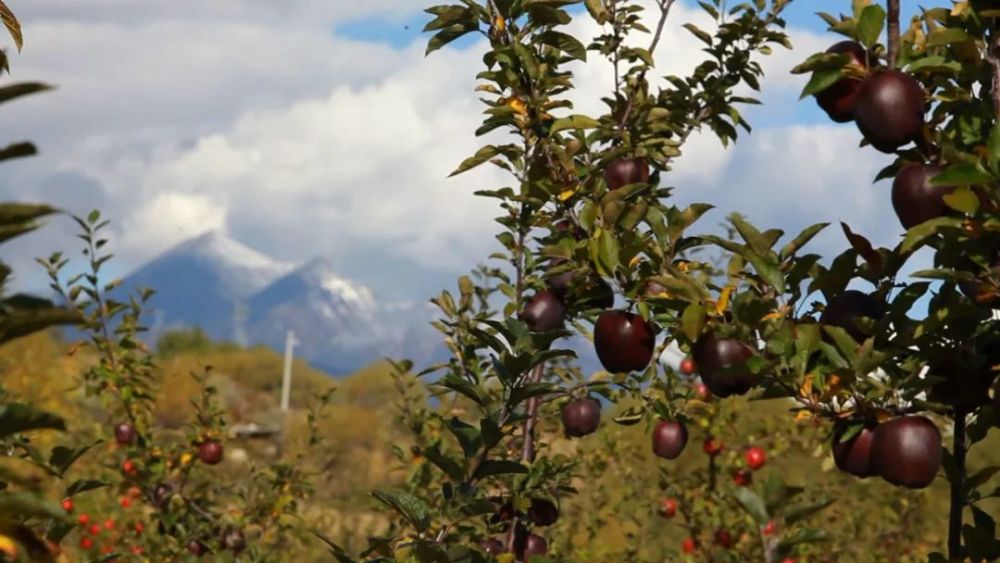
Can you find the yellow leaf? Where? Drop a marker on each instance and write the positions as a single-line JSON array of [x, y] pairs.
[[960, 8], [803, 416], [518, 105], [683, 266], [186, 458], [505, 558], [806, 389], [882, 415], [634, 261], [566, 194], [723, 302], [499, 23], [8, 547]]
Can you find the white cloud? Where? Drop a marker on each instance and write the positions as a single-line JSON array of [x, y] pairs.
[[254, 115]]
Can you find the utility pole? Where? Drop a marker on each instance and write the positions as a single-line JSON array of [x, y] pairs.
[[286, 390]]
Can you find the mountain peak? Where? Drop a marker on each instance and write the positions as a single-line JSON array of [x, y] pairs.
[[322, 273], [217, 245]]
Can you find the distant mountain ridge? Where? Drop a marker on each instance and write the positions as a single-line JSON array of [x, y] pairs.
[[233, 292]]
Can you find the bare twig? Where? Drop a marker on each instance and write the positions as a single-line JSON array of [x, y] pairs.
[[664, 6], [893, 16]]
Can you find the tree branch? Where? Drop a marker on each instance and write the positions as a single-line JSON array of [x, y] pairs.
[[957, 489], [665, 6], [993, 56], [893, 16], [528, 448]]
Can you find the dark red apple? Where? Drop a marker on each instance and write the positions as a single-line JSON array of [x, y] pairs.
[[756, 458], [838, 100], [723, 538], [624, 171], [712, 446], [210, 452], [854, 455], [492, 546], [581, 417], [906, 451], [889, 109], [702, 391], [535, 545], [196, 548], [543, 512], [914, 198], [844, 309], [669, 438], [722, 362], [543, 312], [669, 508], [124, 434], [742, 477], [624, 341]]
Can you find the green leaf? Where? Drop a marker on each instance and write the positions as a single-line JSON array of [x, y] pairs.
[[799, 241], [336, 551], [981, 477], [693, 321], [84, 485], [26, 504], [573, 122], [803, 535], [962, 199], [821, 80], [752, 504], [750, 234], [468, 436], [447, 35], [62, 457], [697, 32], [803, 511], [463, 387], [451, 467], [499, 467], [870, 25], [17, 150], [963, 173], [918, 234], [565, 43], [597, 11], [409, 506], [16, 418], [608, 253], [947, 36], [481, 156]]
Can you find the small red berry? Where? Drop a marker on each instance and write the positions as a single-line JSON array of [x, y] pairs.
[[703, 393], [106, 549], [770, 528], [134, 492], [95, 529], [756, 457], [128, 466], [788, 560], [136, 550], [724, 538], [139, 527], [712, 446], [83, 519], [687, 366], [109, 524], [67, 504], [688, 545], [669, 508], [126, 502], [86, 543], [742, 478]]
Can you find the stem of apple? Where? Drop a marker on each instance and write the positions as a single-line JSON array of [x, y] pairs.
[[893, 17], [957, 486]]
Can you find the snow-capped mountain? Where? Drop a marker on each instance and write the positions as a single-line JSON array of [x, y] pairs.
[[234, 292], [200, 283]]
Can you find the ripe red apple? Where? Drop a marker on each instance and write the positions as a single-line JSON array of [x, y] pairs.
[[543, 512], [688, 366], [624, 171], [742, 478], [702, 391], [889, 109], [906, 451], [624, 341], [711, 446], [854, 455], [124, 434], [67, 504], [844, 309], [723, 538], [543, 312], [581, 417], [756, 457], [770, 528], [128, 467], [492, 546], [689, 545], [210, 452], [722, 362], [669, 508], [669, 438], [914, 198], [838, 100]]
